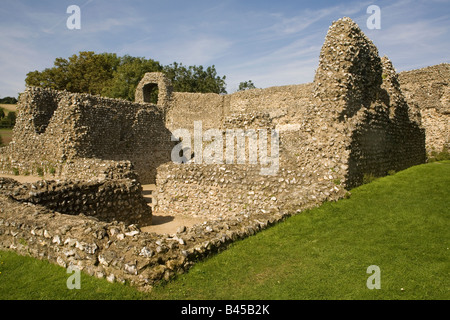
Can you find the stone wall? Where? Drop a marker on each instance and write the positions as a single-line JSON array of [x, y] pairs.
[[428, 90], [300, 179], [185, 108], [114, 250], [355, 119], [351, 122], [55, 131], [106, 200]]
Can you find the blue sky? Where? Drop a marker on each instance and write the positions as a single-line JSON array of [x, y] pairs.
[[271, 43]]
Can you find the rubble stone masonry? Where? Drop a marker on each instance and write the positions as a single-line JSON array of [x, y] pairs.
[[358, 117]]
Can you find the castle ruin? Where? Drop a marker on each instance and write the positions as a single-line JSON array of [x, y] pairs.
[[358, 117]]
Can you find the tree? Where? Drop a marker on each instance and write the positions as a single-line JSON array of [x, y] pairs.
[[195, 79], [128, 75], [9, 121], [8, 100], [246, 85], [118, 77], [87, 72], [2, 113], [11, 118]]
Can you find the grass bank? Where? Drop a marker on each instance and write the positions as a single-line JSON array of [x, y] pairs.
[[399, 223]]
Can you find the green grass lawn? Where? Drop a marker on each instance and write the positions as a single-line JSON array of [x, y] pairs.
[[399, 223]]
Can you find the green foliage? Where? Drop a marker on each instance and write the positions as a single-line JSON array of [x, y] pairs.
[[246, 85], [87, 72], [117, 77], [8, 100], [195, 79], [444, 154], [127, 76], [368, 178], [9, 120], [12, 117], [40, 171], [1, 141], [2, 113]]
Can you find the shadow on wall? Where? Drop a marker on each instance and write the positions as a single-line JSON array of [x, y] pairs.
[[140, 137], [381, 144]]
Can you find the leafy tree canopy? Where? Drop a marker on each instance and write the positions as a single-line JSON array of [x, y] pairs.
[[246, 85], [195, 79], [8, 100], [117, 77]]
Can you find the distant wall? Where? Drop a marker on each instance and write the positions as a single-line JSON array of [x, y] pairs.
[[284, 103], [428, 90], [185, 108]]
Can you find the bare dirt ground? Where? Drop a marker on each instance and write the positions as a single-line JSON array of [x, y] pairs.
[[162, 222], [22, 179], [165, 222]]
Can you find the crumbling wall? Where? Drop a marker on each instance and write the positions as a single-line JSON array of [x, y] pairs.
[[427, 89], [359, 91], [186, 107], [353, 120], [106, 200], [114, 250], [58, 129]]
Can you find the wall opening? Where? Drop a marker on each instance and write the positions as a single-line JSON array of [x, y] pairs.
[[42, 113], [150, 93]]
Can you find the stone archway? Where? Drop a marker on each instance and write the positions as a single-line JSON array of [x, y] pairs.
[[150, 82]]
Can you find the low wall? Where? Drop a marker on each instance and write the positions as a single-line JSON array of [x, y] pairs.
[[106, 200], [114, 250]]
